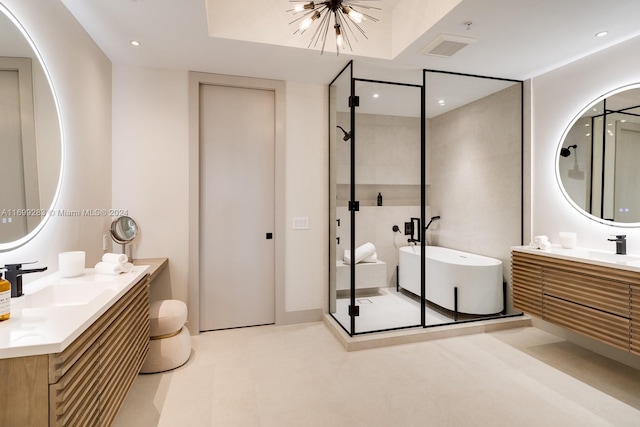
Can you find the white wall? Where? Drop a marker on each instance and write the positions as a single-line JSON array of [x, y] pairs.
[[151, 171], [81, 75], [150, 167], [558, 96], [306, 195]]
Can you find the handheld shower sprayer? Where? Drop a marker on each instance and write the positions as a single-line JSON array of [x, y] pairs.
[[433, 218], [347, 135]]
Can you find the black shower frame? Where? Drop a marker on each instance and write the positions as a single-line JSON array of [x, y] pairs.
[[423, 214], [603, 138]]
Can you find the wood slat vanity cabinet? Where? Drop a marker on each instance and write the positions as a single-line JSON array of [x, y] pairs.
[[86, 383], [598, 301]]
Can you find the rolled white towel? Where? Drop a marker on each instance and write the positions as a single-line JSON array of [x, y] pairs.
[[372, 259], [127, 267], [362, 252], [534, 245], [114, 258], [545, 245], [108, 268], [541, 238]]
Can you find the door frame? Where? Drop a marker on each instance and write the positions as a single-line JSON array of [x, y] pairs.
[[197, 79]]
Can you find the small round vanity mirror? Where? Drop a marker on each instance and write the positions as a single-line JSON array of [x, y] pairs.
[[596, 161], [123, 230]]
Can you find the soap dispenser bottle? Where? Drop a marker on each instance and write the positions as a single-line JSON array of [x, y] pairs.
[[5, 299], [379, 199]]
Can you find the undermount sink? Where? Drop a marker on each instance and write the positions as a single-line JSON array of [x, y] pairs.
[[63, 295], [611, 257]]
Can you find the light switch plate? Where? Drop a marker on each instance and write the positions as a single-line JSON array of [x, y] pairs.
[[301, 223]]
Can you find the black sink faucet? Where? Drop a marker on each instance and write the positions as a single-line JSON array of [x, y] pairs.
[[14, 275], [621, 244]]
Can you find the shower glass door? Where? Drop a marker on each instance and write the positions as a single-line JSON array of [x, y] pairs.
[[376, 146], [388, 174], [341, 276]]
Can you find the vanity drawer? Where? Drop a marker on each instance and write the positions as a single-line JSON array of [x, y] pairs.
[[635, 319], [526, 281], [122, 351], [60, 363], [608, 328], [74, 400], [593, 291]]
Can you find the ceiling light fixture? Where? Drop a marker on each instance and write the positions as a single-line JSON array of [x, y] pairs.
[[602, 33], [134, 43], [345, 17]]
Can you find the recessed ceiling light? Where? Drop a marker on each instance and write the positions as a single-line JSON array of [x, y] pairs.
[[134, 43], [376, 95], [441, 102], [602, 33]]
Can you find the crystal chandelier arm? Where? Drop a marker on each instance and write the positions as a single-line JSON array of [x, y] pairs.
[[340, 20], [317, 35], [348, 23], [364, 15]]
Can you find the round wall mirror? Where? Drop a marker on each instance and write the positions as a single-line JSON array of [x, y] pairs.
[[123, 230], [596, 161], [30, 137]]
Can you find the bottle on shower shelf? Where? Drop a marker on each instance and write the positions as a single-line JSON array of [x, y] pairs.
[[379, 199]]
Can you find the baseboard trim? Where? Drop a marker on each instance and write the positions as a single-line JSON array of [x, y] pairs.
[[302, 316]]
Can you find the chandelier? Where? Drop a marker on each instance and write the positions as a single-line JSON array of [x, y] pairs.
[[347, 17]]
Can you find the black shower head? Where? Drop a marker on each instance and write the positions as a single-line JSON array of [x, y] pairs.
[[565, 152], [347, 135]]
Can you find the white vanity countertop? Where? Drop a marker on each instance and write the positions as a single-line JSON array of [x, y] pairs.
[[54, 311], [629, 262]]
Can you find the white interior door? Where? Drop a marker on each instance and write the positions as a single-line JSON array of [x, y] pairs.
[[237, 211]]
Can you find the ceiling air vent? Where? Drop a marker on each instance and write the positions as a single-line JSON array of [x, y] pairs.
[[446, 45]]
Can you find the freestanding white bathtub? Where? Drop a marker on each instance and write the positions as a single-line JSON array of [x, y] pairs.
[[477, 277]]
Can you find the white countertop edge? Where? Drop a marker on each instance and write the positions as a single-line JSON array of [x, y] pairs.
[[581, 255], [86, 316]]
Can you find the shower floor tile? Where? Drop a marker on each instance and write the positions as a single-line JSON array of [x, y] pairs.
[[387, 309]]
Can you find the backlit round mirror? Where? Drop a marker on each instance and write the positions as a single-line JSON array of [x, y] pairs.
[[597, 159], [123, 230], [30, 137]]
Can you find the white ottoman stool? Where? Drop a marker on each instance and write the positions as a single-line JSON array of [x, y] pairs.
[[170, 342]]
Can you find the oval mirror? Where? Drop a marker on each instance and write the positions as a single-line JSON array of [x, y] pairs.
[[30, 137], [597, 159]]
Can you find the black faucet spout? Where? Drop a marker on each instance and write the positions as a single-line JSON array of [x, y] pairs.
[[13, 273], [621, 244]]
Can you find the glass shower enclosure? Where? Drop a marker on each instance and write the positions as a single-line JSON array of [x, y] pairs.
[[396, 189]]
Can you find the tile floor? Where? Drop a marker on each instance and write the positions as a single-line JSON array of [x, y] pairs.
[[300, 375]]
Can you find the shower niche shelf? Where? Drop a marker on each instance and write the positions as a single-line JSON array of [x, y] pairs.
[[392, 194]]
